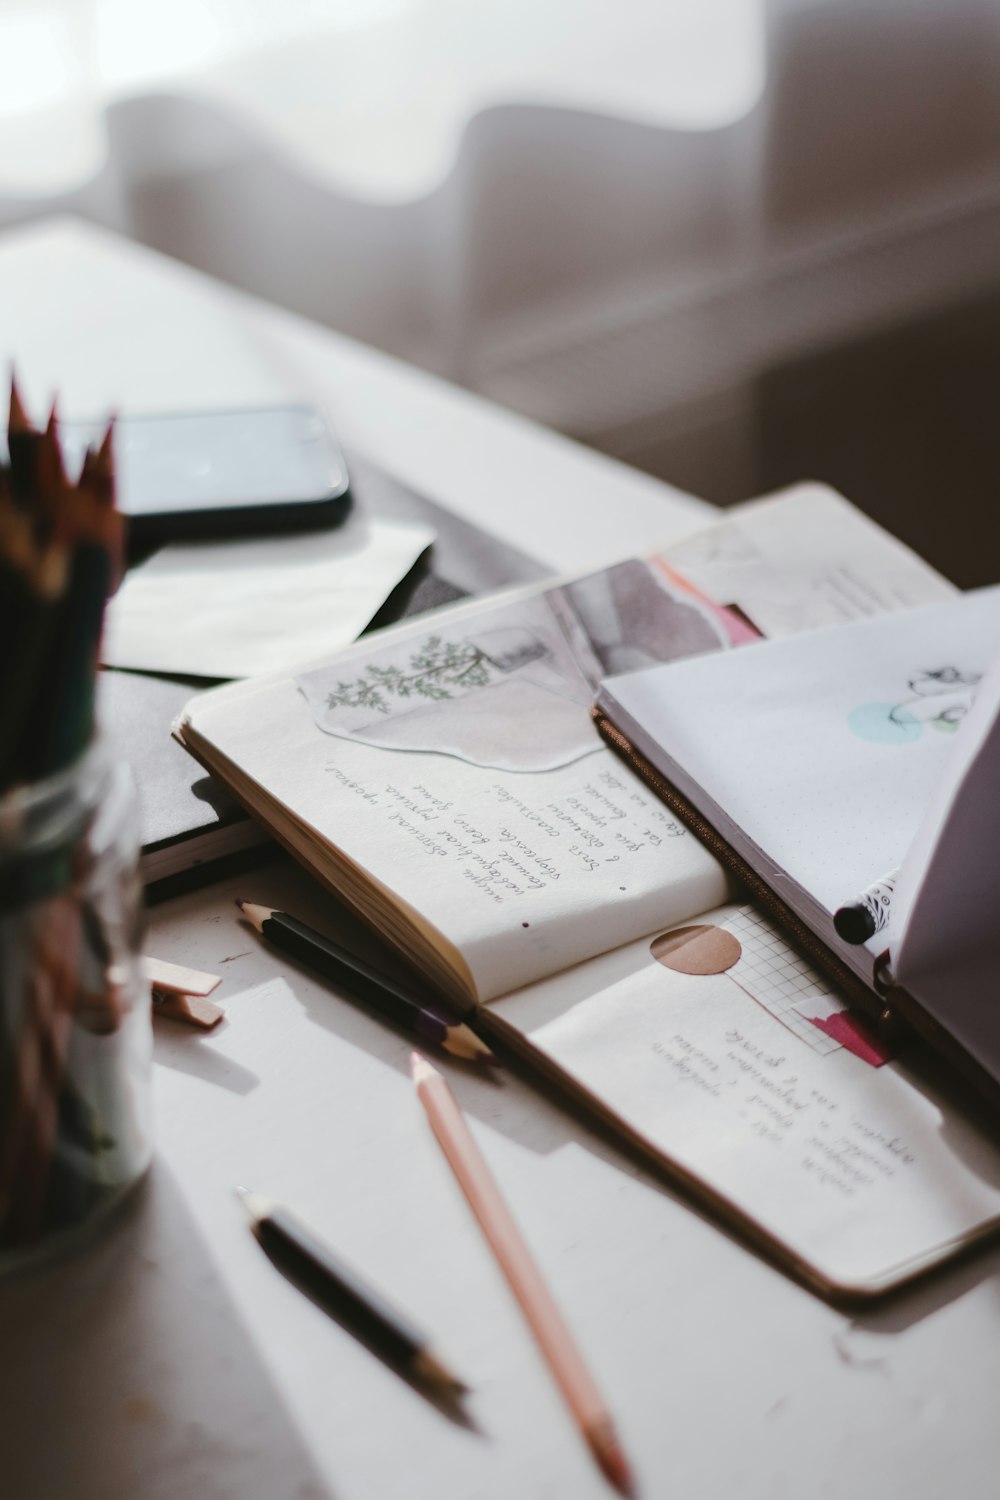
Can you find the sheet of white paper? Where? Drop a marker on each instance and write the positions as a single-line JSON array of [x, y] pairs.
[[822, 750], [865, 1173], [239, 608]]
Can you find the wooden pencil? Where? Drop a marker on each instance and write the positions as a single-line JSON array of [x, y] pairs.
[[61, 548], [22, 445], [362, 981], [523, 1276], [338, 1287], [66, 723]]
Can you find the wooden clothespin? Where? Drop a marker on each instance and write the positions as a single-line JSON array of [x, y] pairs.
[[179, 993]]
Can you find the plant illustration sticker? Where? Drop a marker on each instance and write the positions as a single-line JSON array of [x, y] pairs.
[[511, 687], [504, 690]]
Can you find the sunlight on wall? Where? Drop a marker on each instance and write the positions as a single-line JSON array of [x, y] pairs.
[[371, 95]]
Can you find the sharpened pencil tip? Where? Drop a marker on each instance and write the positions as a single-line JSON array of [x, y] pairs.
[[256, 1205], [463, 1042], [420, 1068], [17, 417], [612, 1461], [430, 1367], [255, 915]]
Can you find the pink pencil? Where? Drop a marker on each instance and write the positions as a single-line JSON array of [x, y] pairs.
[[544, 1319]]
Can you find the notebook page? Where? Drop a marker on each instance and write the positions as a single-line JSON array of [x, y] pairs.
[[496, 811], [867, 1174], [845, 567]]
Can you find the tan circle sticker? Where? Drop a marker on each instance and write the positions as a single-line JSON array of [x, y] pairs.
[[696, 950]]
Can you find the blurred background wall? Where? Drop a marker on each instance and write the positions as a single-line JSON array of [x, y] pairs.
[[735, 243]]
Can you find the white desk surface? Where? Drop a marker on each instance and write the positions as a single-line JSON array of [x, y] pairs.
[[168, 1359]]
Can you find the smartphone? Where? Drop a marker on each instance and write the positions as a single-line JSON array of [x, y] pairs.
[[202, 474]]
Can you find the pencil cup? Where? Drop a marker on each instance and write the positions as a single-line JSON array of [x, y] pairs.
[[75, 1028]]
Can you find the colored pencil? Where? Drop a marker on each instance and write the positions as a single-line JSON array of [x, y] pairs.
[[60, 554], [314, 1267], [523, 1276], [61, 547], [386, 996]]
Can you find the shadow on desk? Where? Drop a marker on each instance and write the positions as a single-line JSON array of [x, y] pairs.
[[509, 1100], [127, 1371]]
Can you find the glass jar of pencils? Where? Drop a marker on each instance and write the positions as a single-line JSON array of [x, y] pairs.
[[75, 1028]]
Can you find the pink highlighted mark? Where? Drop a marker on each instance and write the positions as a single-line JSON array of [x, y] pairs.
[[736, 627], [856, 1036]]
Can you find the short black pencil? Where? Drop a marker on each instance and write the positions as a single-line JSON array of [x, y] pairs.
[[312, 1265], [382, 994]]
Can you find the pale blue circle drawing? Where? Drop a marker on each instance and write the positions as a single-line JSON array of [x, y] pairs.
[[884, 724]]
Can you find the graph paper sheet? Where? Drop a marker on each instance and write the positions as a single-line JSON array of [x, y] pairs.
[[776, 977]]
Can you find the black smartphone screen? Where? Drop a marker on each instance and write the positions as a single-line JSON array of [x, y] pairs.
[[191, 474]]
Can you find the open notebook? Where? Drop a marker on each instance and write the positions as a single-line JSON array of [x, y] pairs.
[[446, 781]]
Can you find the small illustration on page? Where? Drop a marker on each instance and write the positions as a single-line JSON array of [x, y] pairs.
[[940, 698], [511, 688]]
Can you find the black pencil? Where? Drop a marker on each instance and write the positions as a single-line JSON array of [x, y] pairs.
[[390, 998], [314, 1267]]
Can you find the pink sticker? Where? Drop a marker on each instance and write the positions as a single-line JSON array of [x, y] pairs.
[[732, 621], [856, 1036]]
